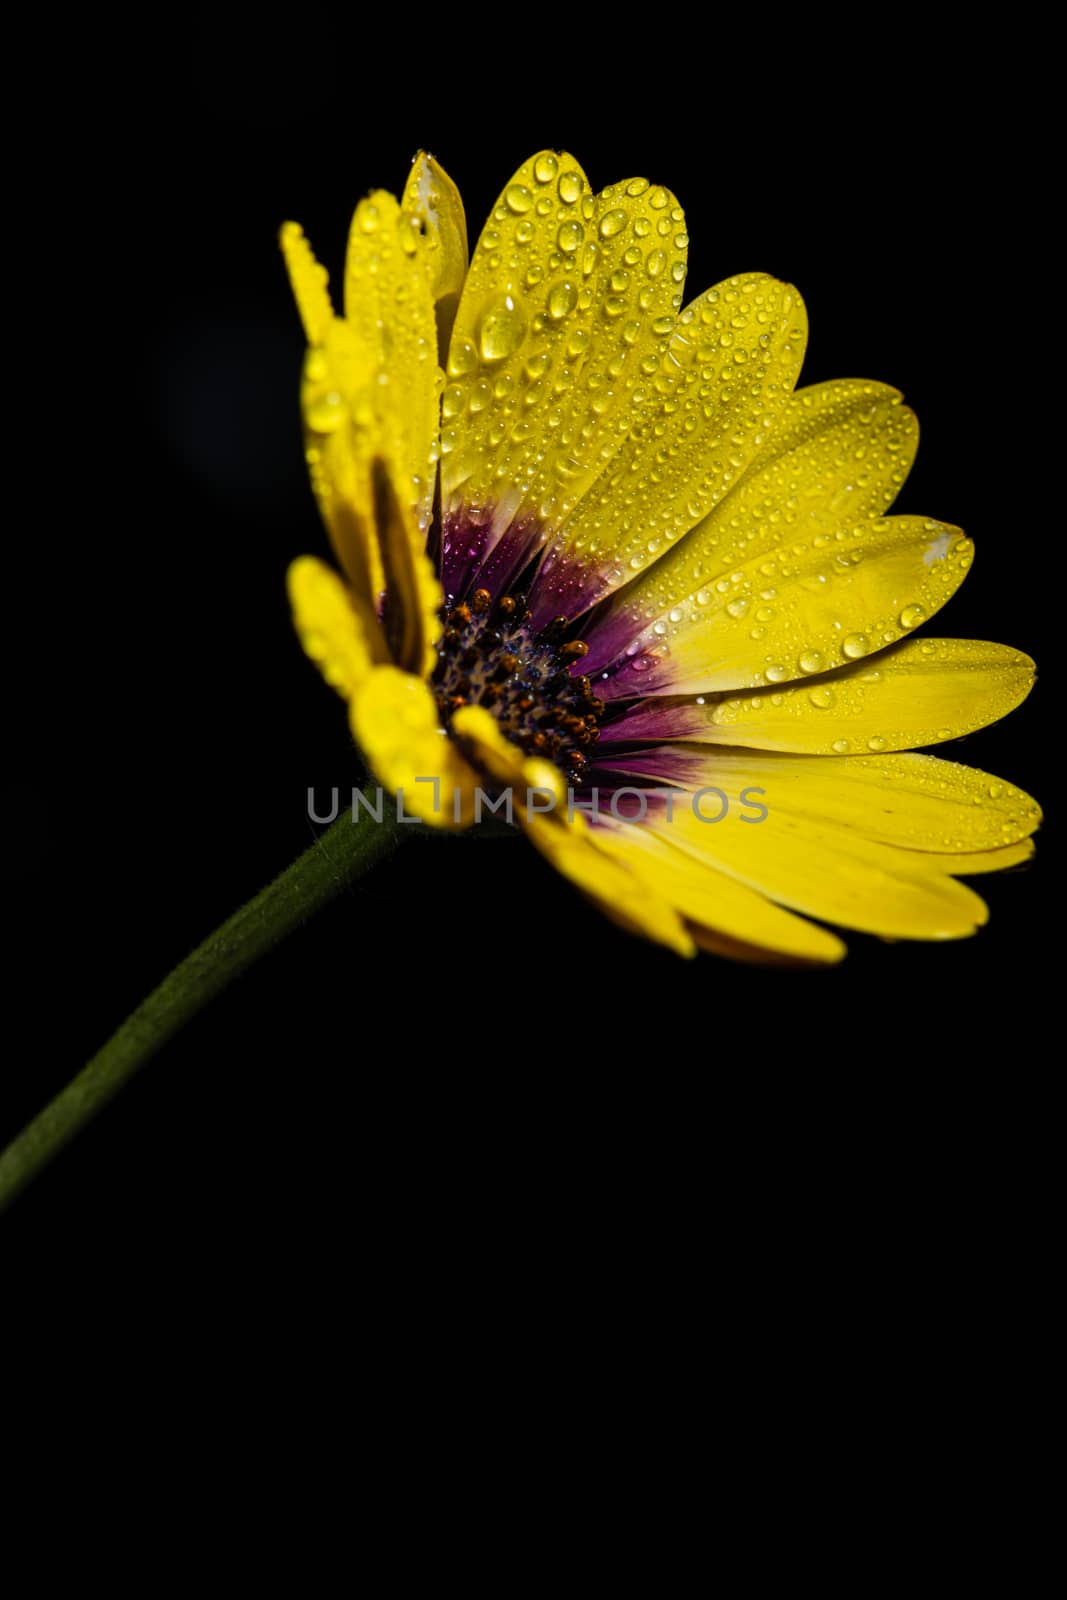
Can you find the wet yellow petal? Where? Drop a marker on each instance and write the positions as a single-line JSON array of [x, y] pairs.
[[694, 421], [919, 692], [918, 801], [718, 907], [826, 871], [804, 611], [395, 723], [340, 634], [502, 761], [369, 398], [309, 282], [569, 297], [970, 863], [567, 842], [839, 453], [339, 471], [411, 614], [389, 307], [432, 198], [630, 901]]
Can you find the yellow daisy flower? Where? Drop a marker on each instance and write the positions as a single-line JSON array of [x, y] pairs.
[[602, 559]]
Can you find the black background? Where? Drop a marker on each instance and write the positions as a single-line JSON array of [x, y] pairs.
[[462, 1026]]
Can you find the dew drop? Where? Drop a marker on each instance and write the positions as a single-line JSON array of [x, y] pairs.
[[518, 197], [822, 698], [327, 413], [462, 358], [911, 616], [502, 328], [570, 236], [810, 661], [545, 167], [562, 300], [855, 645]]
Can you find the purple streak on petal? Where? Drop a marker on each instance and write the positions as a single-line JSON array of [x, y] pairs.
[[509, 556], [664, 764], [565, 589], [477, 554], [647, 671], [659, 719], [467, 536], [625, 658], [608, 639]]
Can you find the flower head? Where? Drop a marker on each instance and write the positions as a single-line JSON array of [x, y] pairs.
[[601, 554]]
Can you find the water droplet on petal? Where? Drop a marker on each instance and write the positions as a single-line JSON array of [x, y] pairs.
[[855, 645], [502, 328], [570, 236], [518, 197], [327, 413], [612, 223], [462, 358], [562, 299]]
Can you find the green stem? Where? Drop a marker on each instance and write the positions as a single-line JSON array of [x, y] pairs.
[[341, 855]]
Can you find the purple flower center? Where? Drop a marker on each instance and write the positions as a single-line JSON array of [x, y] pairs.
[[491, 656]]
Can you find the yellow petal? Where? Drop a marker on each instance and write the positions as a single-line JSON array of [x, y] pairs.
[[719, 908], [369, 399], [337, 454], [338, 632], [411, 613], [567, 841], [502, 761], [309, 281], [569, 297], [694, 421], [918, 801], [630, 901], [804, 610], [432, 198], [395, 723], [829, 872], [919, 692], [389, 307], [840, 453], [971, 863]]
